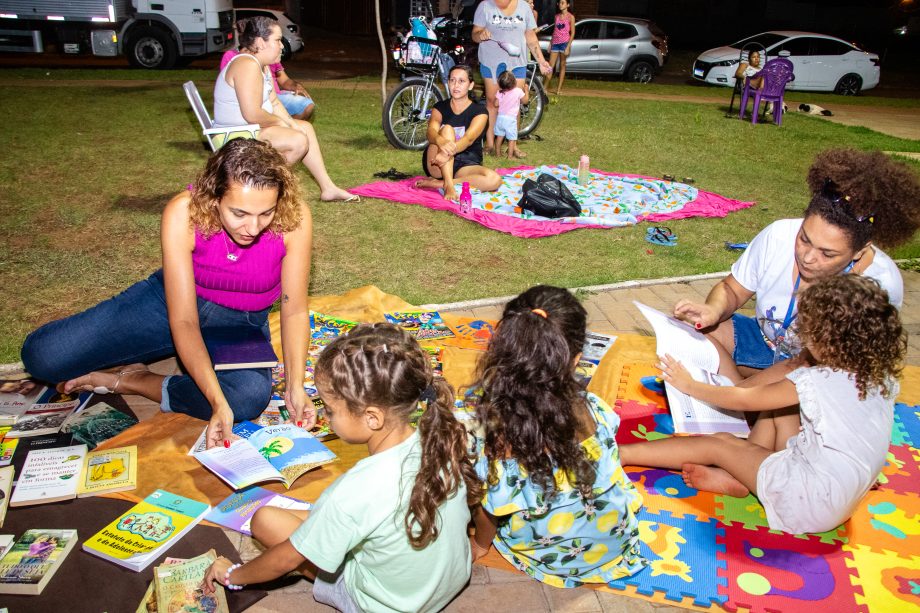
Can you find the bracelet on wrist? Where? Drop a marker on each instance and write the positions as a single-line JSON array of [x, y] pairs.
[[227, 584]]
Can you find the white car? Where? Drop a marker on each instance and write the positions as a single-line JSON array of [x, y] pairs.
[[292, 41], [821, 63]]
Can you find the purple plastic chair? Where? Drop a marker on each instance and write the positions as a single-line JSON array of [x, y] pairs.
[[776, 74]]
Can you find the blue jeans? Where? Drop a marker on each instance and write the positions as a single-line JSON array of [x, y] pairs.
[[133, 327]]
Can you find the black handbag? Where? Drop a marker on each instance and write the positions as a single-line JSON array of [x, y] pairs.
[[548, 197]]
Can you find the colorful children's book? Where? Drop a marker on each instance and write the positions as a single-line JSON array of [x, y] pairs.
[[178, 587], [324, 329], [46, 416], [596, 346], [235, 348], [16, 396], [96, 424], [107, 471], [471, 333], [49, 475], [237, 509], [435, 358], [701, 359], [584, 372], [29, 564], [423, 325], [276, 453], [277, 415], [242, 429], [146, 530], [7, 447], [6, 485], [279, 384]]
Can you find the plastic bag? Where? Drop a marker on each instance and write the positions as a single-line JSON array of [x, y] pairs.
[[548, 197]]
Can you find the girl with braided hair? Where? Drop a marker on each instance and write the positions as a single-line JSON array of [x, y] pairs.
[[558, 505], [860, 201], [389, 534]]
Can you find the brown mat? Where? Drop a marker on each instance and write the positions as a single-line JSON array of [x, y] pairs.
[[87, 583]]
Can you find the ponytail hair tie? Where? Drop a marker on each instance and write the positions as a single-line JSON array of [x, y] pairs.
[[429, 394], [540, 312]]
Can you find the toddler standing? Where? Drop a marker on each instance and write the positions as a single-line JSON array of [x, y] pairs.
[[508, 102]]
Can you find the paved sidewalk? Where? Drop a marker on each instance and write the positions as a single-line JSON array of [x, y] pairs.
[[610, 310]]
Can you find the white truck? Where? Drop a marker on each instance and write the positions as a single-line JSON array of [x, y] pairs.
[[152, 33]]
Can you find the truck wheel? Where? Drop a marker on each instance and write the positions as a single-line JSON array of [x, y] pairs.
[[150, 47]]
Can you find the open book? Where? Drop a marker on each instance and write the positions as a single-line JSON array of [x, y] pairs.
[[275, 453], [701, 359]]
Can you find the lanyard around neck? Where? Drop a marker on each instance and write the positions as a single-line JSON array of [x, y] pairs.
[[790, 312]]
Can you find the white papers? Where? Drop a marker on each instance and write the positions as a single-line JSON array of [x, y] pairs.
[[701, 359]]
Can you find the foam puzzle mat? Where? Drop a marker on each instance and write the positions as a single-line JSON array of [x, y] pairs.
[[715, 552]]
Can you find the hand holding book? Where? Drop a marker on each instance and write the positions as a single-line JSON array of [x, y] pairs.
[[676, 374]]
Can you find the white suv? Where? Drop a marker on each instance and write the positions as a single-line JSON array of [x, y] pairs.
[[821, 62], [635, 48], [290, 31]]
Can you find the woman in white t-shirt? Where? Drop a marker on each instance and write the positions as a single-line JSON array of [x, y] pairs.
[[860, 199]]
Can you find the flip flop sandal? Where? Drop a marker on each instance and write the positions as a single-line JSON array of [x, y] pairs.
[[659, 235], [736, 246], [688, 180], [667, 178]]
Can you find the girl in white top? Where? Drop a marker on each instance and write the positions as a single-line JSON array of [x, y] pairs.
[[811, 468], [244, 94], [859, 200]]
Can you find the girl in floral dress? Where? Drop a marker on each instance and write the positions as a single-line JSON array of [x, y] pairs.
[[558, 505]]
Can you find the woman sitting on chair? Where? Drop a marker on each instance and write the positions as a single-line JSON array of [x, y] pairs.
[[244, 94]]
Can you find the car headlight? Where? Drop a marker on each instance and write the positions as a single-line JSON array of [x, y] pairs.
[[726, 63]]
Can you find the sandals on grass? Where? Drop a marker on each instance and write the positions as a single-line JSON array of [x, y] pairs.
[[660, 235]]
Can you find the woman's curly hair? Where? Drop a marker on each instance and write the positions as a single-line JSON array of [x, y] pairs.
[[848, 321], [380, 365], [867, 194], [250, 163], [529, 392]]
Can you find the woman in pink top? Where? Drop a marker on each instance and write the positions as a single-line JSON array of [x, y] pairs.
[[233, 243]]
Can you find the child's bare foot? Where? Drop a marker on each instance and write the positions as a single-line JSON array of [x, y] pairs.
[[713, 479], [429, 183], [518, 154], [451, 194], [102, 381]]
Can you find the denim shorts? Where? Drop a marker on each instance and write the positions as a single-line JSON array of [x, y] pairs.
[[751, 349], [559, 48], [293, 103], [487, 73], [506, 125]]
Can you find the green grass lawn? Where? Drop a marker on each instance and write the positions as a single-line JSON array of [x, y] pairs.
[[86, 171]]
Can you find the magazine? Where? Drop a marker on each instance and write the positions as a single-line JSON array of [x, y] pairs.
[[236, 511], [423, 325]]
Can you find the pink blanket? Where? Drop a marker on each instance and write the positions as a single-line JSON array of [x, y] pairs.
[[706, 204]]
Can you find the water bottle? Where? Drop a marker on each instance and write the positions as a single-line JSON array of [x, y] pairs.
[[466, 199], [584, 172]]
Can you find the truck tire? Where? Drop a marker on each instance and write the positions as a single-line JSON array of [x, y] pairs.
[[151, 47]]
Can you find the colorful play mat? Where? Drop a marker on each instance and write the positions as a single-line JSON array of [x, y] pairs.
[[608, 200]]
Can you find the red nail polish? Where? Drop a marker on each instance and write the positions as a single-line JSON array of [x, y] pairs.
[[699, 326], [226, 444], [300, 424]]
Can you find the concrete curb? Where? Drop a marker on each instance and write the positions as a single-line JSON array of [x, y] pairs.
[[594, 289]]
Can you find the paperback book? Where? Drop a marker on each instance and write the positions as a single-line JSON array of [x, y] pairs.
[[96, 424], [276, 453], [31, 562], [277, 415], [234, 348], [7, 447], [423, 325], [237, 509], [146, 530], [46, 416], [25, 446], [701, 359], [149, 601], [178, 586], [6, 541], [16, 396]]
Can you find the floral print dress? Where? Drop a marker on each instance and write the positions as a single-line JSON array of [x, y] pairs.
[[566, 540]]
